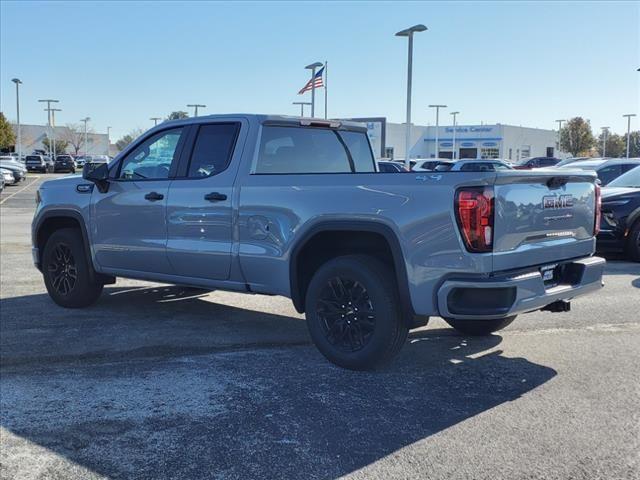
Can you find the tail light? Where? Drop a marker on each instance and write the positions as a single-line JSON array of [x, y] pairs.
[[474, 211], [596, 226]]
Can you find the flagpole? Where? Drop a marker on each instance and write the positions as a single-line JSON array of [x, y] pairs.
[[326, 81]]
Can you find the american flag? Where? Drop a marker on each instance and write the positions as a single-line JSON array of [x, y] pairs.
[[316, 82]]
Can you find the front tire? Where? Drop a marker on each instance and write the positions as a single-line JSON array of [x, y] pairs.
[[67, 274], [479, 328], [353, 312], [633, 242]]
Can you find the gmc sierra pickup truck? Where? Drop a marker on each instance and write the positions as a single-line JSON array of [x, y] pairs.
[[295, 207]]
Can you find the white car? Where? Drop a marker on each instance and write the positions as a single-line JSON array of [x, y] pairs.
[[7, 175]]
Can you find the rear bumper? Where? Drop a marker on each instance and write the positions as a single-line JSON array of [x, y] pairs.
[[511, 294]]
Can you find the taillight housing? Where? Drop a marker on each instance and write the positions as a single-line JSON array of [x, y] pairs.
[[596, 226], [474, 208]]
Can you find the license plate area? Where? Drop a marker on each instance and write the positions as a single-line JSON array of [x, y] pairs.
[[550, 275]]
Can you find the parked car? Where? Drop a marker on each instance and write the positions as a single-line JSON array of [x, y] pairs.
[[620, 223], [472, 165], [607, 170], [65, 163], [17, 168], [391, 167], [82, 159], [427, 165], [39, 163], [567, 161], [298, 210], [7, 176], [536, 162]]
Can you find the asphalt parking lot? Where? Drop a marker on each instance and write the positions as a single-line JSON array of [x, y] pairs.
[[159, 381]]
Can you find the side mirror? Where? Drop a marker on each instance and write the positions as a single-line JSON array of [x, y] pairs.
[[98, 173]]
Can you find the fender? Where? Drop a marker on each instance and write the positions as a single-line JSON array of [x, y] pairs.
[[77, 216], [354, 226]]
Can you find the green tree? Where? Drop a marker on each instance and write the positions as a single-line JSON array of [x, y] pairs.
[[634, 147], [7, 137], [61, 145], [128, 138], [177, 115], [577, 137], [616, 145]]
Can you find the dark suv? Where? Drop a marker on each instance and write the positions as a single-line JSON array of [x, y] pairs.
[[64, 163], [39, 163]]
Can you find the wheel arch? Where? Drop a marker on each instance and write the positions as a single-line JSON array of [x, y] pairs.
[[55, 219], [298, 283]]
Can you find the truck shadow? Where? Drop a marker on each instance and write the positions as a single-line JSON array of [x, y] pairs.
[[103, 389]]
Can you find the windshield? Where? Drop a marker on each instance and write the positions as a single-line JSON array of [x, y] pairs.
[[631, 179]]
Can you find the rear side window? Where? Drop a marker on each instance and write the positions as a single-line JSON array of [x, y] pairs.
[[213, 149], [609, 173], [301, 150], [358, 145]]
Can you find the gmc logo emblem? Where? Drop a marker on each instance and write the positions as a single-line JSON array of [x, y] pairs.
[[555, 202]]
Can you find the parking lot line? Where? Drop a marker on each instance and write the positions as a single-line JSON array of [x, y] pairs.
[[35, 179]]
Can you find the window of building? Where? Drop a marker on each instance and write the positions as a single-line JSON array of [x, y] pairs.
[[388, 152], [525, 152], [212, 150], [510, 153], [153, 158], [488, 153]]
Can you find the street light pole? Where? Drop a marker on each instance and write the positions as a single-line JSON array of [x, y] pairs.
[[85, 120], [453, 152], [629, 115], [155, 120], [48, 109], [605, 131], [17, 81], [313, 67], [437, 107], [53, 129], [408, 32], [108, 141], [195, 106], [559, 122], [302, 104]]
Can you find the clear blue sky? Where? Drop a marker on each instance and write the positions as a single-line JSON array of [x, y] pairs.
[[518, 63]]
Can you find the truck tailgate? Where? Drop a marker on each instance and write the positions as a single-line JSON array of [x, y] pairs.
[[542, 216]]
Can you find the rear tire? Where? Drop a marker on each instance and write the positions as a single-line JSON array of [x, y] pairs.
[[633, 242], [353, 312], [67, 274], [480, 327]]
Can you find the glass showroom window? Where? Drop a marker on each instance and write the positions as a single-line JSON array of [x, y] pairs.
[[487, 153]]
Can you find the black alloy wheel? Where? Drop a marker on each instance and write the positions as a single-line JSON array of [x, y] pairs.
[[62, 268], [347, 314]]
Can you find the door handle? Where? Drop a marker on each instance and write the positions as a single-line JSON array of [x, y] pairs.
[[153, 196], [215, 197]]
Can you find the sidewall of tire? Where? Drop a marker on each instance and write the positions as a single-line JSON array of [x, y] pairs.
[[389, 333], [85, 292], [632, 250]]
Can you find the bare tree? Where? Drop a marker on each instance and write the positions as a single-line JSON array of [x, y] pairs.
[[75, 136]]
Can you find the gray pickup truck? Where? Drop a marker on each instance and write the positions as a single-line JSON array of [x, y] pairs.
[[295, 207]]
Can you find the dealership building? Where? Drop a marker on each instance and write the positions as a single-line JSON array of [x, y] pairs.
[[34, 135], [470, 141]]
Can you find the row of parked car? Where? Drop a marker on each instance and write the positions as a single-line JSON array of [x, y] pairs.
[[619, 177], [61, 163]]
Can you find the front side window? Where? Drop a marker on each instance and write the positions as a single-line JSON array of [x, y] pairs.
[[153, 158], [212, 150], [296, 150]]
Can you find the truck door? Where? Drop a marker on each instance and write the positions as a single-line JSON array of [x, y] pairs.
[[129, 229], [199, 211]]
